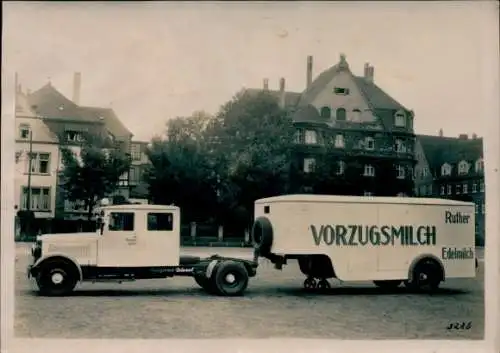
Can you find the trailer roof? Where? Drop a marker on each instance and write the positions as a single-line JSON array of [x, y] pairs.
[[363, 199]]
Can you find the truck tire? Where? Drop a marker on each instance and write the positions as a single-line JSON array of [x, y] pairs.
[[230, 278], [262, 236], [205, 283], [426, 276], [56, 278]]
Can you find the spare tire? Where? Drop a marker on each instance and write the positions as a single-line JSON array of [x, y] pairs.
[[262, 235]]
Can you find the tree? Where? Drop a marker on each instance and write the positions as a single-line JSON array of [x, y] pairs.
[[253, 147], [181, 171], [92, 176]]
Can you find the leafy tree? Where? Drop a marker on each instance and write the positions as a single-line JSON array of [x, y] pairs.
[[181, 171], [253, 145], [92, 176]]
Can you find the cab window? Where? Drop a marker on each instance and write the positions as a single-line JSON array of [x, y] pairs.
[[121, 221], [160, 221]]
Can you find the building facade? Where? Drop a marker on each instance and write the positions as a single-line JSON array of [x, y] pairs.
[[139, 191], [453, 168], [365, 134], [55, 120]]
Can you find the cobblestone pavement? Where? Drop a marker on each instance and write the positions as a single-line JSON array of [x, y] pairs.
[[274, 306]]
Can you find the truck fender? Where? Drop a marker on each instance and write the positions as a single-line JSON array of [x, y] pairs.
[[210, 268], [60, 257], [421, 257]]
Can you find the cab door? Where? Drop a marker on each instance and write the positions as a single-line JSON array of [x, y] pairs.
[[162, 236], [120, 244]]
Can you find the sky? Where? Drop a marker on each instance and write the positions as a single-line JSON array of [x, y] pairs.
[[154, 61]]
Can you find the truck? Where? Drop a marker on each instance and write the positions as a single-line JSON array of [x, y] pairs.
[[420, 242], [132, 242]]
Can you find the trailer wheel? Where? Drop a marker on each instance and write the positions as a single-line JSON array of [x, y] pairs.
[[262, 235], [392, 284], [56, 279], [230, 278], [426, 276]]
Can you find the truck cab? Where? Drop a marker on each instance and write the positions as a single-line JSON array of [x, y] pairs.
[[133, 241]]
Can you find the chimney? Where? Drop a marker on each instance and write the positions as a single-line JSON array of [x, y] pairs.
[[369, 72], [77, 83], [440, 132], [474, 136], [266, 84], [309, 72], [282, 93]]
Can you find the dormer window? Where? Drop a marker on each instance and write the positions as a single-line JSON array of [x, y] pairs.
[[400, 119], [326, 113], [399, 146], [369, 143], [401, 173], [340, 114], [73, 136], [479, 165], [425, 172], [463, 167], [445, 169], [341, 91], [309, 165], [24, 131], [311, 137], [339, 141]]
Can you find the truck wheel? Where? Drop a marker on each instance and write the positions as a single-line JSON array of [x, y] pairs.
[[56, 279], [426, 276], [230, 278], [205, 283], [392, 284]]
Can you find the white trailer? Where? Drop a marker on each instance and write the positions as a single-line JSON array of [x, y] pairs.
[[132, 242], [387, 240]]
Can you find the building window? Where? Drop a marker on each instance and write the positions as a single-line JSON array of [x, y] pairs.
[[474, 187], [123, 180], [39, 200], [448, 189], [442, 190], [341, 115], [445, 169], [481, 187], [369, 143], [479, 165], [400, 119], [74, 136], [299, 136], [309, 165], [483, 208], [369, 170], [311, 137], [425, 172], [400, 172], [326, 113], [39, 163], [399, 146], [340, 167], [339, 141], [465, 188], [457, 189], [368, 193], [356, 115], [24, 131], [136, 152], [463, 167], [477, 208], [341, 91]]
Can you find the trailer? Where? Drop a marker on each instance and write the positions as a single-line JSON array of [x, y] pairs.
[[132, 242], [388, 240]]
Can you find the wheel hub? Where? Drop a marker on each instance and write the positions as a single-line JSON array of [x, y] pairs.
[[230, 278], [423, 277], [57, 278]]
